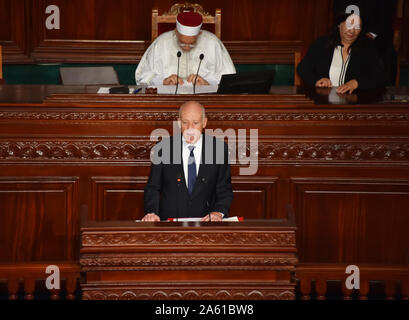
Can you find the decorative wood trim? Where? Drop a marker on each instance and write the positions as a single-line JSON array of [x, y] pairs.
[[255, 293], [136, 262], [79, 150], [151, 99], [212, 116], [124, 239], [268, 151]]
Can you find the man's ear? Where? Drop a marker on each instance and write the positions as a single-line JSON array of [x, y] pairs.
[[179, 124], [204, 122]]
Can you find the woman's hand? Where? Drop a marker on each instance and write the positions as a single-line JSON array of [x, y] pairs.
[[323, 83], [348, 87]]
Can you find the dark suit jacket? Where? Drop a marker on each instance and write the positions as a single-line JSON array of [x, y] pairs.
[[365, 66], [166, 193]]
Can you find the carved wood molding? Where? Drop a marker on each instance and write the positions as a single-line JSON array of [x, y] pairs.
[[188, 294], [213, 116], [76, 150], [336, 151], [306, 116], [178, 7], [277, 239], [139, 150], [132, 262]]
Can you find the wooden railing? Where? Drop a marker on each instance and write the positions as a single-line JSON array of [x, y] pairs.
[[28, 274], [313, 280]]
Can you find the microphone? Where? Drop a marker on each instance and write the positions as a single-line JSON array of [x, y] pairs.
[[179, 54], [203, 180], [197, 73], [179, 178]]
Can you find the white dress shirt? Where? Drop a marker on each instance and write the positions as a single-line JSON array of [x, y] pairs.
[[197, 152], [338, 68]]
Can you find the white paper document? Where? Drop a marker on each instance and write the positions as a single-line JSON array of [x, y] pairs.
[[187, 88], [231, 219]]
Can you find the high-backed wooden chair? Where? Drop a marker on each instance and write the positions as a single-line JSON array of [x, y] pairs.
[[167, 21], [1, 66]]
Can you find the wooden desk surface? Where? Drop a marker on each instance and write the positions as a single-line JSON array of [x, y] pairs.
[[254, 224], [39, 94]]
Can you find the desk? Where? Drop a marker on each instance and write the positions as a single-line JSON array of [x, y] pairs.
[[343, 167], [43, 94], [166, 261]]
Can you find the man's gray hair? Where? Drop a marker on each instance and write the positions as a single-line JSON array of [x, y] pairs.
[[192, 102]]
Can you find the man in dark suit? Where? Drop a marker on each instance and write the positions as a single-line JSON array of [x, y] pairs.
[[190, 173]]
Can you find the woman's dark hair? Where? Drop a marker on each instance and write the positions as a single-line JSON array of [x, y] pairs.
[[335, 38]]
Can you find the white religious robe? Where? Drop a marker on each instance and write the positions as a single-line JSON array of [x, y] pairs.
[[160, 60]]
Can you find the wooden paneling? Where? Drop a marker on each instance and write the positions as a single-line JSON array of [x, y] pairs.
[[364, 220], [263, 31], [15, 30], [342, 167], [117, 198], [119, 31], [254, 198], [38, 218]]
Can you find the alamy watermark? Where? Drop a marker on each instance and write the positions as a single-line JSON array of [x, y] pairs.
[[53, 20], [243, 148], [53, 281]]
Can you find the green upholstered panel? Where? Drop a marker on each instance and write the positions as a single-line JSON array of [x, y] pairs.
[[49, 73], [404, 75]]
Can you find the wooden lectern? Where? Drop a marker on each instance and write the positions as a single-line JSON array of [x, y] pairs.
[[173, 260]]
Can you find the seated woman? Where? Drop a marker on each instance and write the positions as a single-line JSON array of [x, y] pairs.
[[346, 59]]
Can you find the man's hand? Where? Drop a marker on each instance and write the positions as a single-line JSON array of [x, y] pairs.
[[151, 217], [199, 82], [215, 216], [172, 80], [323, 83], [348, 87]]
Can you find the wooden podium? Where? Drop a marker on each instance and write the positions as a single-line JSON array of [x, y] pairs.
[[254, 259]]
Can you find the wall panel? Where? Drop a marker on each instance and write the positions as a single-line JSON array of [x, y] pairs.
[[38, 218], [362, 219], [119, 31]]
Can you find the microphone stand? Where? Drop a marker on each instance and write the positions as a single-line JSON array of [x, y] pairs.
[[197, 73], [179, 54]]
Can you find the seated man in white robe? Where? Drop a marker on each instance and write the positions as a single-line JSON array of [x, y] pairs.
[[159, 64]]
